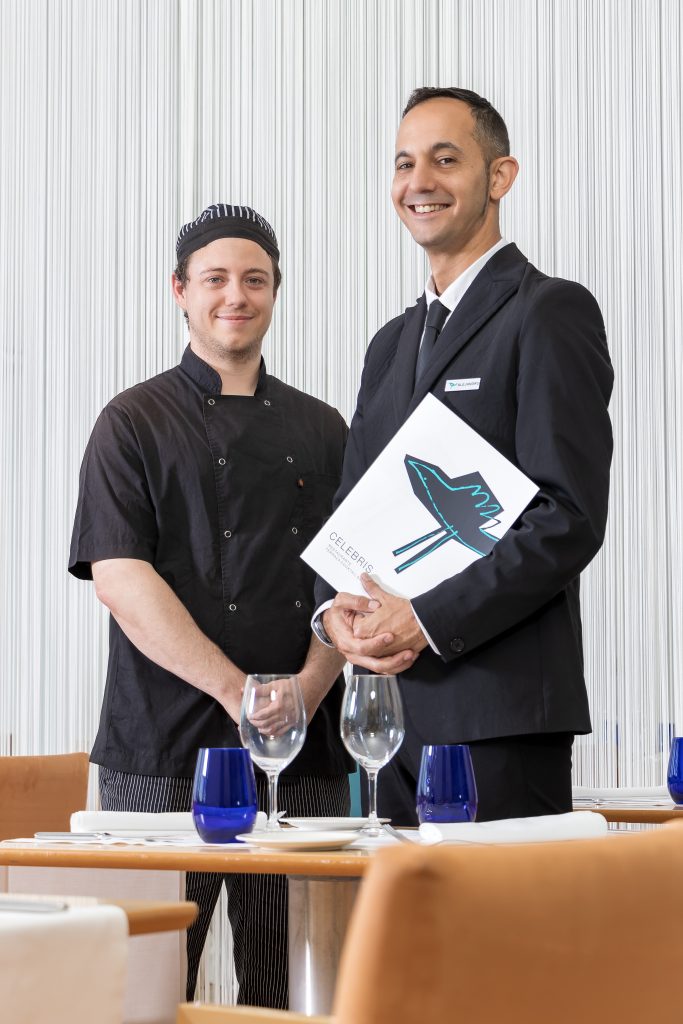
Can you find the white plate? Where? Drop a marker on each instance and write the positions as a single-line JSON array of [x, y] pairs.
[[333, 824], [297, 839]]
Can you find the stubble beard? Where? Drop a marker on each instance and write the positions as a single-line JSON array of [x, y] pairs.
[[222, 352]]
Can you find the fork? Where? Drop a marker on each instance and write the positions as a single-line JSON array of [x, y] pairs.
[[391, 831]]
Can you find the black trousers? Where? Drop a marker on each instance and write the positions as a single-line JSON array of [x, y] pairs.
[[516, 777], [257, 904]]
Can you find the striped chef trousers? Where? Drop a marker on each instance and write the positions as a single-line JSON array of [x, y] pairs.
[[257, 904]]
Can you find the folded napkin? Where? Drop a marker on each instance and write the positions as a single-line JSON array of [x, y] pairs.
[[542, 829], [142, 822], [621, 794], [63, 966], [140, 827]]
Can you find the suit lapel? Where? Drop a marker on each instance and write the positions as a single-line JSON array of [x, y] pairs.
[[403, 375], [498, 280]]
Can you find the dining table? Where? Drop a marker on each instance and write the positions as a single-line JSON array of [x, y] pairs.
[[636, 813], [322, 886], [322, 889], [145, 917], [67, 959]]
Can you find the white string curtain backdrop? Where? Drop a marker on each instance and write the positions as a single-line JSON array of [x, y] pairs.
[[120, 121]]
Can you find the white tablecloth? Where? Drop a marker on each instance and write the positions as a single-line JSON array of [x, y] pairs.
[[64, 966]]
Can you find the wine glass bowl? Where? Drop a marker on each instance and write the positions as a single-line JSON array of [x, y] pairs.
[[372, 729], [272, 727]]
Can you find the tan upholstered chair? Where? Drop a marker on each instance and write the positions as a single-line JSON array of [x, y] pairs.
[[590, 930], [39, 794]]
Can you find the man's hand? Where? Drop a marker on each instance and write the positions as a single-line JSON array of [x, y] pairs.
[[379, 652], [390, 616], [274, 709]]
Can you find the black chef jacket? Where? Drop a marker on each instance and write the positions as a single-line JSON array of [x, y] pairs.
[[220, 493]]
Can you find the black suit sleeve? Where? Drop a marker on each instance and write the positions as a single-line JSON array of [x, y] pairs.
[[563, 442]]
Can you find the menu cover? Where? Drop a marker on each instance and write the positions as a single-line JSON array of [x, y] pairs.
[[434, 500]]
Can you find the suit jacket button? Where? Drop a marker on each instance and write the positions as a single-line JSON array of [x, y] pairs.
[[457, 645]]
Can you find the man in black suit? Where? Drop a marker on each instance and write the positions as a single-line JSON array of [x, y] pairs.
[[492, 656]]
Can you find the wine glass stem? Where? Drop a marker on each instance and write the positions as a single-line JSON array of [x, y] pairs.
[[372, 795], [272, 801]]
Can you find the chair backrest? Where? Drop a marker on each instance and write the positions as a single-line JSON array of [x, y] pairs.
[[39, 794], [590, 930]]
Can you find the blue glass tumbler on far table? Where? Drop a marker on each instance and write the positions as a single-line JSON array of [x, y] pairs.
[[674, 777], [446, 790], [224, 802]]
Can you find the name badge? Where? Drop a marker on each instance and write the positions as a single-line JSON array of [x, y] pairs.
[[464, 384]]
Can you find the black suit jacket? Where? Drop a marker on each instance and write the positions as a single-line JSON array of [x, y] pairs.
[[508, 627]]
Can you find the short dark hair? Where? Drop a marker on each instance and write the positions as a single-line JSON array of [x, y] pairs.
[[182, 276], [490, 130]]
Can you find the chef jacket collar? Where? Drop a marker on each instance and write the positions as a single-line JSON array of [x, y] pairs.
[[207, 378]]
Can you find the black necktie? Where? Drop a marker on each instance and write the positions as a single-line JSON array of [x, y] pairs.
[[436, 318]]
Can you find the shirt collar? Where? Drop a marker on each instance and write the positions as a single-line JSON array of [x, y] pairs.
[[207, 378], [452, 295]]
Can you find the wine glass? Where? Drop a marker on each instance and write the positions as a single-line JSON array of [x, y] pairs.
[[272, 727], [372, 730]]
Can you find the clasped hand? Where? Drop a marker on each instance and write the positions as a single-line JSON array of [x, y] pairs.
[[275, 709], [378, 632]]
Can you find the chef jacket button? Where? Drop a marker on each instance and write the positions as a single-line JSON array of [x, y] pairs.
[[290, 459], [221, 462], [266, 402], [298, 604], [294, 529], [457, 645], [232, 607], [212, 401], [227, 533]]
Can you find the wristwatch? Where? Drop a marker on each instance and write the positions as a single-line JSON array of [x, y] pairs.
[[320, 631]]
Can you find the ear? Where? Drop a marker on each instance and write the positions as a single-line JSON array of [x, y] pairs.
[[502, 174], [178, 290]]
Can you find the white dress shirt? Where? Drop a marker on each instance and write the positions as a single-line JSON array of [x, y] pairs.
[[452, 295]]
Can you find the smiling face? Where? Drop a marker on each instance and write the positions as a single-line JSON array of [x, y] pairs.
[[228, 296], [444, 190]]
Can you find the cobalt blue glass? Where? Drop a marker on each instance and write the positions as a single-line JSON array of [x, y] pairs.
[[224, 802], [446, 789], [674, 777]]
